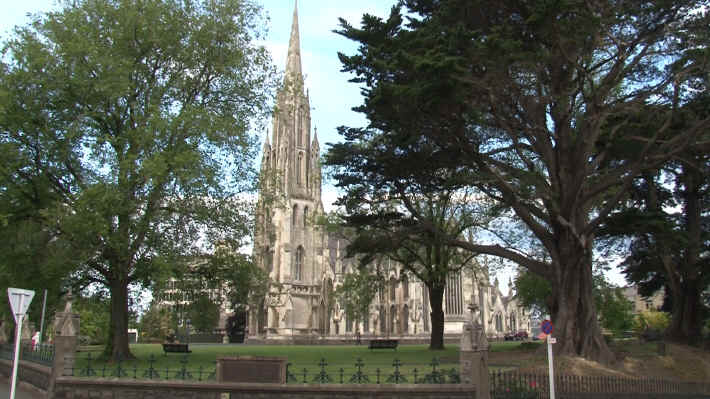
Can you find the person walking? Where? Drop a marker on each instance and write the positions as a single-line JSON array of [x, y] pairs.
[[35, 340]]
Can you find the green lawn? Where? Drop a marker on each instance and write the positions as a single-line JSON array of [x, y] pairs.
[[201, 362]]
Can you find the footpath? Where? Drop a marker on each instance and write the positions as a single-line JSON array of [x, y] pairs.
[[20, 394]]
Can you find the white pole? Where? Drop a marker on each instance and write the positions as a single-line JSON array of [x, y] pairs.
[[41, 325], [550, 364], [18, 330]]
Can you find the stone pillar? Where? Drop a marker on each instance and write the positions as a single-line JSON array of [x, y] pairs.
[[66, 330], [473, 361]]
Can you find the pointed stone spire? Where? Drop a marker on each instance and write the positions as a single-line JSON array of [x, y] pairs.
[[267, 144], [293, 62], [315, 139]]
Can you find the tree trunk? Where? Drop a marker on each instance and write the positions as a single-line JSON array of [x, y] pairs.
[[685, 326], [574, 314], [117, 344], [436, 300], [684, 279]]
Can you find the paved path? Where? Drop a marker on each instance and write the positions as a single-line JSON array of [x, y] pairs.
[[20, 394]]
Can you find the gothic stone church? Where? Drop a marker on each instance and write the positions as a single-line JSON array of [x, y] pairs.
[[306, 264]]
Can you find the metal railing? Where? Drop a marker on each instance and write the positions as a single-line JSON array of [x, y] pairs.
[[41, 354], [152, 372], [360, 374], [513, 384]]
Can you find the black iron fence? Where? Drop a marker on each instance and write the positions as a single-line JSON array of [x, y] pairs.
[[322, 373], [183, 371], [433, 373], [41, 353], [516, 385]]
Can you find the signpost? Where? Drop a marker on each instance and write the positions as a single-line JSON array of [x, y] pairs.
[[19, 303], [546, 327]]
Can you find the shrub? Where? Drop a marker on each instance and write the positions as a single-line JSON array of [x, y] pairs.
[[651, 320]]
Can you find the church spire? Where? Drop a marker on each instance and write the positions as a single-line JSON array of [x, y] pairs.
[[293, 63]]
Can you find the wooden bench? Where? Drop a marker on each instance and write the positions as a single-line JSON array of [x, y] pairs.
[[176, 348], [383, 344]]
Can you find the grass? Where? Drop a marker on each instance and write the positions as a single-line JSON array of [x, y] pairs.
[[203, 359]]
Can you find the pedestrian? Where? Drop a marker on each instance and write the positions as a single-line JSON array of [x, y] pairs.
[[35, 340]]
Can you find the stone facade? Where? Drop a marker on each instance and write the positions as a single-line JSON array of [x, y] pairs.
[[305, 263], [642, 304]]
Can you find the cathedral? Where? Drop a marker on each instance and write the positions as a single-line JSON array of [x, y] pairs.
[[306, 264]]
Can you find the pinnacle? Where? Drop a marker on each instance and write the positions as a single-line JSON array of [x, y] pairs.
[[293, 63]]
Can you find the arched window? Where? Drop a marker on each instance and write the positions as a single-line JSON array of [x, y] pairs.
[[268, 260], [405, 319], [294, 217], [393, 289], [393, 319], [453, 294], [405, 287], [298, 264], [383, 320], [305, 216], [299, 165]]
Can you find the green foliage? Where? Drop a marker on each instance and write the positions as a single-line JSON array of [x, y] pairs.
[[540, 103], [138, 139], [357, 292], [651, 320], [615, 311], [156, 324], [94, 312], [532, 292], [204, 313]]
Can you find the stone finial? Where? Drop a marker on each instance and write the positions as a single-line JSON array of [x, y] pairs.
[[66, 323], [67, 305], [473, 337]]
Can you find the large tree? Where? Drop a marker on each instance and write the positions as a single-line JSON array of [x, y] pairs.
[[408, 218], [535, 97], [666, 215], [136, 115]]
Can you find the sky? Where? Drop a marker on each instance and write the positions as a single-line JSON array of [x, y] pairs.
[[332, 96]]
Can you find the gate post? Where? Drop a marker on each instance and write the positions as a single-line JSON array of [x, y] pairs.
[[473, 360], [66, 330]]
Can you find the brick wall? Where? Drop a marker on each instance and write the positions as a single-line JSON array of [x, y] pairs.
[[30, 373]]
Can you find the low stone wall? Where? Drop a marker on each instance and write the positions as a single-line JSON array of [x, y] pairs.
[[76, 388], [33, 374]]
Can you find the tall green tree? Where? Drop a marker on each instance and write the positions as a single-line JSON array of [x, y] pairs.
[[666, 214], [357, 292], [533, 97], [204, 313], [391, 213], [136, 115]]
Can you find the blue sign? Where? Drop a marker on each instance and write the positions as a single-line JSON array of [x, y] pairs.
[[546, 327]]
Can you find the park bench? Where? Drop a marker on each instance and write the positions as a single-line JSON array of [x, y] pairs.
[[383, 344], [176, 348]]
